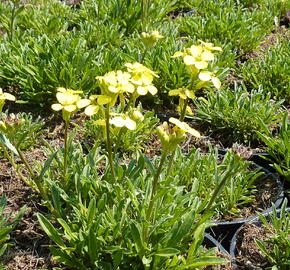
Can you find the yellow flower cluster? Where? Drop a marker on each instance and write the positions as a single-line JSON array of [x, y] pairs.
[[197, 58], [150, 38], [142, 78], [171, 137], [136, 81], [69, 102]]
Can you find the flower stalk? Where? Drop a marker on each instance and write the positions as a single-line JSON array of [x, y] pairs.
[[65, 150], [109, 143]]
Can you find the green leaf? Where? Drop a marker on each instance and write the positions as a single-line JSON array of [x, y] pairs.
[[50, 230], [6, 142], [203, 261], [67, 229], [167, 252], [136, 232]]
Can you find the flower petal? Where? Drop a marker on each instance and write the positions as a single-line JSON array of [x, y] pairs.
[[103, 99], [56, 107], [177, 54], [83, 103], [142, 91], [118, 121], [130, 124], [8, 96], [152, 89], [201, 64], [189, 60], [70, 108], [216, 82], [207, 56], [91, 110], [204, 76]]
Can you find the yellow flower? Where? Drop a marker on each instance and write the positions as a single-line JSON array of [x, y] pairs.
[[183, 93], [210, 46], [150, 38], [197, 56], [96, 101], [183, 127], [69, 102], [3, 97], [123, 121], [142, 78], [116, 82], [171, 137], [137, 115], [206, 76]]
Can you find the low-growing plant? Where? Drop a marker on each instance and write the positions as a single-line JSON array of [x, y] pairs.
[[278, 146], [277, 247], [119, 216], [21, 129], [7, 224], [40, 65], [227, 22], [201, 174], [270, 70], [238, 114]]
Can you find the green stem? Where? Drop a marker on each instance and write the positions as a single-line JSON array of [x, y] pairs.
[[143, 55], [155, 184], [23, 159], [119, 138], [170, 162], [183, 110], [109, 144], [10, 159], [65, 150], [229, 175]]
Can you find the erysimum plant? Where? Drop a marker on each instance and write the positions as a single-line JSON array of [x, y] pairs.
[[126, 219], [117, 215], [137, 221], [69, 102]]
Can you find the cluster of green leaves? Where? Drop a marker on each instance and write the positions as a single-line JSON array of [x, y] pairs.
[[7, 224], [105, 226], [41, 64], [270, 70], [201, 174], [228, 22], [238, 114], [22, 129], [277, 248], [278, 146]]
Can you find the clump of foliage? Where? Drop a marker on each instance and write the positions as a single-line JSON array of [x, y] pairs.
[[277, 247], [238, 114], [112, 215], [278, 146], [270, 70], [21, 129], [197, 172], [228, 22]]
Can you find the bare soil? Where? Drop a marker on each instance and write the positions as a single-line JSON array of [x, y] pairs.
[[248, 255]]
